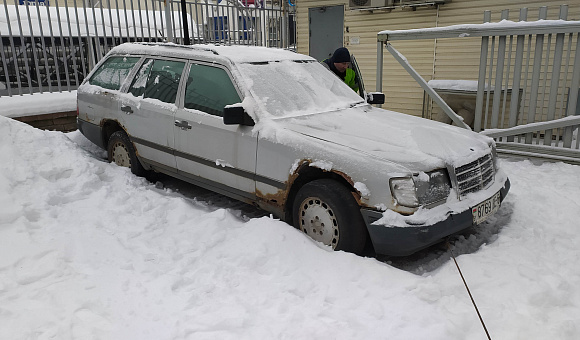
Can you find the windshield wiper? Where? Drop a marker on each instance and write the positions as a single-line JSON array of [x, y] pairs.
[[357, 103]]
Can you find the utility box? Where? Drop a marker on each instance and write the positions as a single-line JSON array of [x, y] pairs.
[[461, 96]]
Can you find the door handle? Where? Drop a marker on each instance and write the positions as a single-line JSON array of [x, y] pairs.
[[127, 109], [183, 124]]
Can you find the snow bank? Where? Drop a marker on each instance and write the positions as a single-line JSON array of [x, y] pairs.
[[89, 251], [31, 105]]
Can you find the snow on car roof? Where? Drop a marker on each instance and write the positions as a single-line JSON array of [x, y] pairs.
[[237, 53]]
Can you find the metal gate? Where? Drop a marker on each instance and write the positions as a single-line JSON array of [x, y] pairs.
[[528, 86], [52, 48]]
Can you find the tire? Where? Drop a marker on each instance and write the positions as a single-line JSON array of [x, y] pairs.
[[326, 211], [122, 152]]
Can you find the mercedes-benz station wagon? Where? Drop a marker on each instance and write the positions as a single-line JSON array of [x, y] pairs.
[[276, 129]]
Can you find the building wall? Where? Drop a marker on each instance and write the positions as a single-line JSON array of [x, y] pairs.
[[433, 59]]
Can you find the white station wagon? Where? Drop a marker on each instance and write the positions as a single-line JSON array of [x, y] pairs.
[[276, 129]]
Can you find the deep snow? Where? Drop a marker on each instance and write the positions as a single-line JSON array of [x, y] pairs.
[[89, 251]]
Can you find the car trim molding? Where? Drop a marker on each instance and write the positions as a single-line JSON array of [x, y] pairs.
[[212, 164]]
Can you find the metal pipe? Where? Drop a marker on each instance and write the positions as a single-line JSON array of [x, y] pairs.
[[403, 61]]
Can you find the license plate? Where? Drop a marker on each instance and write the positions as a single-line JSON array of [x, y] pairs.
[[485, 209]]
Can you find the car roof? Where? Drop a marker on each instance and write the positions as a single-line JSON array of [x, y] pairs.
[[234, 53]]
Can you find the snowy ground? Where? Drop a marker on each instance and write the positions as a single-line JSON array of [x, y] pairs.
[[89, 251]]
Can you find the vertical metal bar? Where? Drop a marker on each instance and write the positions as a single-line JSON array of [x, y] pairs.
[[5, 66], [80, 44], [507, 82], [489, 88], [525, 87], [141, 20], [554, 83], [23, 48], [545, 77], [126, 21], [154, 9], [34, 52], [14, 54], [90, 47], [120, 26], [106, 43], [71, 44], [64, 56], [536, 77], [148, 23], [168, 20], [134, 23], [97, 37], [573, 96], [564, 83], [54, 50], [514, 103], [209, 21], [379, 80], [498, 76], [111, 24], [197, 15], [43, 43], [481, 79]]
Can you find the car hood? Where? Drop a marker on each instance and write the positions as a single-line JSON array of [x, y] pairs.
[[415, 143]]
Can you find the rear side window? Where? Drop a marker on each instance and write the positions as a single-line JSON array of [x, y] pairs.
[[158, 79], [209, 89], [113, 72]]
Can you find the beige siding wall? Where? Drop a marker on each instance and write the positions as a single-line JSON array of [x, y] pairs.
[[433, 59]]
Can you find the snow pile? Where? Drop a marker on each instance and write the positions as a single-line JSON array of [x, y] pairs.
[[89, 251], [30, 105]]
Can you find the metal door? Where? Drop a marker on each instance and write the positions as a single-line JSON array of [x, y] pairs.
[[326, 30]]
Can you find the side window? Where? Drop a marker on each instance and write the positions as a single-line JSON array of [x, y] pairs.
[[112, 72], [158, 79], [209, 89]]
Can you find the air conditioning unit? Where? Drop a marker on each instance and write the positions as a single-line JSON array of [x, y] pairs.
[[369, 3]]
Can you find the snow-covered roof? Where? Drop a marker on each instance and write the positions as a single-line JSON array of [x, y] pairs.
[[235, 53], [503, 27], [120, 22]]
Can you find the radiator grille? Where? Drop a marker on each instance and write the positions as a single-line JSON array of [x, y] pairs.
[[475, 176]]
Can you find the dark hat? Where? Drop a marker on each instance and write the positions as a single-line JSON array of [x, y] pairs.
[[341, 55]]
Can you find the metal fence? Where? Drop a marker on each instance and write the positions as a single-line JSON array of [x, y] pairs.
[[528, 87], [47, 48]]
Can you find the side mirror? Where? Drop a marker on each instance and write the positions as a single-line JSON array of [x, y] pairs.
[[236, 115], [375, 98]]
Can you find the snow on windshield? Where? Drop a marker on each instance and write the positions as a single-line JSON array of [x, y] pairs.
[[290, 88]]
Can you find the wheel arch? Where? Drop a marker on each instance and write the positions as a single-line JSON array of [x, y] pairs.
[[109, 127], [305, 174]]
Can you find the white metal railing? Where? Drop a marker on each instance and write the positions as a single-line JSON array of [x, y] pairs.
[[528, 82], [52, 48]]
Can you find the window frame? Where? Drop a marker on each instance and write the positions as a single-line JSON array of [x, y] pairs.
[[102, 64], [144, 58], [181, 104]]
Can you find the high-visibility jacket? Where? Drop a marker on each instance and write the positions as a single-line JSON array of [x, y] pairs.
[[349, 78]]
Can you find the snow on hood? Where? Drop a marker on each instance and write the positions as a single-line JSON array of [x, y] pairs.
[[413, 142]]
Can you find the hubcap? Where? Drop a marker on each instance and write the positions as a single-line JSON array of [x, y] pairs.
[[121, 155], [318, 221]]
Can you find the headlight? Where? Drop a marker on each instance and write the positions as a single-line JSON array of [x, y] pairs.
[[403, 190]]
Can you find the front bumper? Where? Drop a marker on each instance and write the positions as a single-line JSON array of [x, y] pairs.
[[402, 241]]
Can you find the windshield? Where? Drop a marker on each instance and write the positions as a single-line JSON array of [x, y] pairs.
[[290, 88]]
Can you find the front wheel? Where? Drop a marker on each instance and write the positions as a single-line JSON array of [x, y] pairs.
[[327, 212], [122, 153]]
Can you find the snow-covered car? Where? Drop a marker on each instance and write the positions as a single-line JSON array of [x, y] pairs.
[[276, 129]]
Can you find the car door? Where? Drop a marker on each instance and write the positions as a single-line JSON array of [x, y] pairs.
[[149, 109], [217, 156]]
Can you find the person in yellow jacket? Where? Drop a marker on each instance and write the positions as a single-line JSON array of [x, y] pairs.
[[339, 64]]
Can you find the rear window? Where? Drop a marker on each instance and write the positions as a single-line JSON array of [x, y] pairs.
[[113, 72]]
